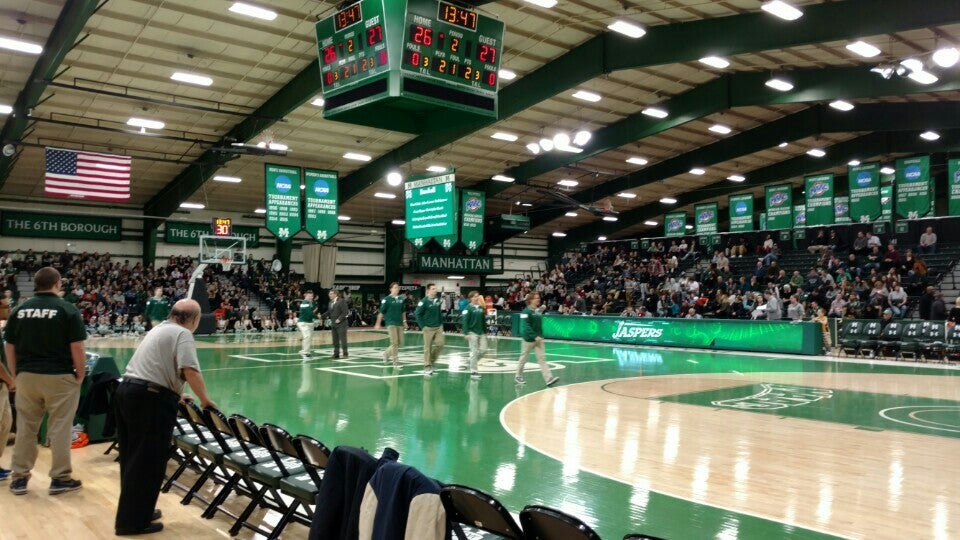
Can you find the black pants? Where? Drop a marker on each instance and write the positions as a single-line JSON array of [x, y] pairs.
[[145, 421], [339, 333]]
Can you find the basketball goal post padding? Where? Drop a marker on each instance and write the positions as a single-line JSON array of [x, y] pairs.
[[225, 251]]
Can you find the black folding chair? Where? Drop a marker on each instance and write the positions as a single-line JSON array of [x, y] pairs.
[[251, 452], [187, 438], [303, 487], [479, 510], [212, 453], [543, 523]]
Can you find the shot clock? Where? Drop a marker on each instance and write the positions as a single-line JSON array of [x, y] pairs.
[[222, 226], [414, 65]]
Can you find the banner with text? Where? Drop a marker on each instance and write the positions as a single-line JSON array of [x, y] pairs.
[[705, 216], [886, 203], [841, 210], [473, 207], [819, 200], [913, 187], [455, 264], [323, 206], [282, 194], [35, 225], [779, 201], [741, 213], [953, 183], [799, 216], [447, 241], [430, 207], [675, 224], [177, 232], [864, 181]]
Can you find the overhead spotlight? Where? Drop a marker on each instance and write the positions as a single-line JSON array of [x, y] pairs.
[[534, 148], [887, 170], [923, 77], [912, 64], [816, 152], [842, 105], [394, 178], [781, 9], [780, 84], [561, 140], [884, 70], [655, 112], [854, 163], [582, 137], [946, 57], [601, 239], [929, 135], [546, 144]]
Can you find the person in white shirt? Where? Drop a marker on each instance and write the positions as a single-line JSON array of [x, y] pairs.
[[928, 242], [873, 241]]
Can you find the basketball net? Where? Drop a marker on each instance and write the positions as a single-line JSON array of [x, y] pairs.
[[225, 263]]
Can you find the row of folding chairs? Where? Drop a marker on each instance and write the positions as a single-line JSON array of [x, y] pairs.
[[475, 509], [263, 463], [916, 340]]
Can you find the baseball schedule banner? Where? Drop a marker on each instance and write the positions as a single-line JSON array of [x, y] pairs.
[[431, 207], [706, 218], [819, 200], [864, 183], [675, 224], [779, 201], [913, 187], [447, 241], [841, 210], [473, 205], [282, 193], [323, 208], [953, 185], [741, 213]]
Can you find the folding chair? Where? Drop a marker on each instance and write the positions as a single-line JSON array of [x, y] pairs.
[[303, 487], [952, 345], [251, 452], [890, 340], [187, 438], [213, 452], [869, 338], [910, 340], [543, 523], [268, 475], [476, 509], [850, 332], [933, 340]]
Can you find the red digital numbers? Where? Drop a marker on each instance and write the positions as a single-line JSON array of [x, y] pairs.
[[329, 55], [383, 57], [328, 78], [491, 78], [421, 35], [374, 35], [487, 54], [414, 58]]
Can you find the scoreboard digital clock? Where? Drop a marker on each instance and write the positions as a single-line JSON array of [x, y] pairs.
[[409, 65], [222, 226]]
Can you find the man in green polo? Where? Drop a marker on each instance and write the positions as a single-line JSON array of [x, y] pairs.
[[430, 322], [45, 354], [474, 320], [392, 313], [156, 309], [531, 330], [305, 321]]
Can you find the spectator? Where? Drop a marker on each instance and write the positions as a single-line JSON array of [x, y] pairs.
[[926, 301], [692, 314], [938, 310], [838, 306], [928, 242], [873, 259], [860, 244], [774, 309], [873, 241], [766, 246], [954, 315], [897, 300], [794, 309], [891, 258]]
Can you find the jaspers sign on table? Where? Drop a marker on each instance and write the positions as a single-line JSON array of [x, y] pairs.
[[35, 225], [459, 264]]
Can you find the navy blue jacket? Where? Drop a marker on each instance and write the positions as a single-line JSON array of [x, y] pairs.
[[348, 471]]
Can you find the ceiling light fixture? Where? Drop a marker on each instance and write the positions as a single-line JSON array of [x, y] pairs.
[[560, 140], [688, 227], [6, 109], [668, 200], [227, 179], [582, 137], [192, 206], [782, 145], [394, 178], [721, 129], [546, 144], [650, 223], [568, 183], [780, 84], [501, 136], [637, 161], [609, 218], [571, 214], [20, 46], [542, 3], [145, 123], [399, 222], [437, 168], [343, 218], [923, 77], [627, 195], [357, 157], [842, 105], [192, 78], [506, 74], [715, 62], [587, 96], [853, 162], [526, 204], [534, 148], [559, 234], [736, 178], [929, 135], [628, 29], [946, 57], [816, 152], [502, 178], [382, 195], [697, 171], [601, 239], [863, 48], [655, 112], [253, 11], [260, 211], [455, 277], [273, 146], [887, 170], [912, 64], [779, 8]]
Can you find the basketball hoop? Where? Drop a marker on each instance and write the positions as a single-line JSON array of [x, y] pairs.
[[225, 263]]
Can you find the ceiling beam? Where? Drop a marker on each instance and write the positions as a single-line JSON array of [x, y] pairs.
[[294, 94], [816, 120], [69, 24], [681, 42], [872, 144]]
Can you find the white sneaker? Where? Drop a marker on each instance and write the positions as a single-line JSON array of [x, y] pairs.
[[304, 353], [428, 372], [475, 376], [519, 380]]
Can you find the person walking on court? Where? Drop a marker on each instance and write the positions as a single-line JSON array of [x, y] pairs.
[[45, 353], [337, 312], [531, 330], [146, 406], [156, 309], [7, 385], [474, 320], [393, 314], [430, 322], [305, 320]]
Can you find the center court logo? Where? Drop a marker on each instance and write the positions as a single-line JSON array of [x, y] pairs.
[[776, 396], [626, 330], [674, 225], [282, 184], [777, 199], [819, 188], [473, 204], [321, 188], [864, 179], [740, 208], [705, 217]]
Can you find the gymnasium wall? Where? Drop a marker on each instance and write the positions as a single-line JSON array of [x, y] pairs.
[[520, 255]]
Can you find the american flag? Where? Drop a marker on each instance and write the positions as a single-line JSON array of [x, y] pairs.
[[87, 175]]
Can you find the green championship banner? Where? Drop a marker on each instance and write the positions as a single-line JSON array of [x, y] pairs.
[[431, 207], [864, 181], [323, 206], [779, 201], [458, 264], [799, 216], [178, 232], [449, 240], [913, 187], [473, 206], [953, 183], [760, 336], [282, 193], [33, 225], [819, 200], [675, 224], [705, 218], [886, 203], [841, 210], [741, 213]]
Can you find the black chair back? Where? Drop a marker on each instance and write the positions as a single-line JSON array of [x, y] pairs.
[[954, 335], [219, 428], [312, 453], [892, 331], [872, 330], [247, 432], [543, 523], [189, 410], [278, 441], [911, 330], [479, 510], [852, 329]]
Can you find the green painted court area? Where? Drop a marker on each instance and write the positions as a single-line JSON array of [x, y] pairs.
[[912, 414], [449, 426]]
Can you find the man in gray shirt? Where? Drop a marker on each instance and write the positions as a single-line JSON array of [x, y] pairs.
[[146, 404]]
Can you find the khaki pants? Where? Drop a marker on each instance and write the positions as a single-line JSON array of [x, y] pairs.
[[58, 395], [433, 340], [6, 419], [539, 350], [306, 331], [478, 348], [396, 341]]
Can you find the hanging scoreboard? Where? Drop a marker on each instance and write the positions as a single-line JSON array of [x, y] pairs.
[[414, 66]]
